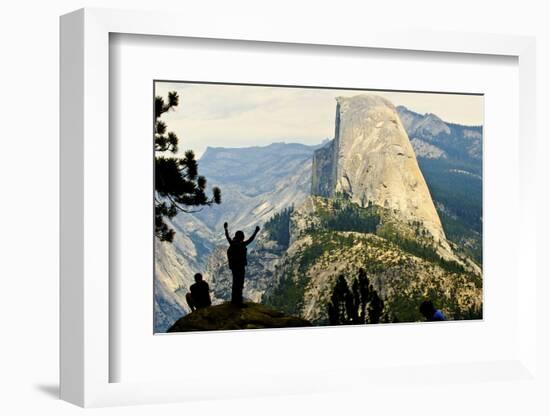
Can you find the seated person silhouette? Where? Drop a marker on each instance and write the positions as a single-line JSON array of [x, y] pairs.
[[430, 312], [199, 297], [236, 256]]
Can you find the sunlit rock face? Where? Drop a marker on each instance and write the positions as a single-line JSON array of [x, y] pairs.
[[371, 160]]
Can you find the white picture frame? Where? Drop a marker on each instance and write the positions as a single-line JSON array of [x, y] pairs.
[[85, 355]]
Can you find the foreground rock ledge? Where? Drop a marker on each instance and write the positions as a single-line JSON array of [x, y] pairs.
[[227, 316]]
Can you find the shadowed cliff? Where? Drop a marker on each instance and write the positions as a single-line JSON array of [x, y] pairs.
[[227, 316]]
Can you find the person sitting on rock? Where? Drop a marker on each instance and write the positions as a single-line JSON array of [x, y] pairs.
[[199, 297], [430, 312], [236, 256]]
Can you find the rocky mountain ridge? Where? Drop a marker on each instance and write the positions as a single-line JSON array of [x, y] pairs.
[[333, 237], [455, 141]]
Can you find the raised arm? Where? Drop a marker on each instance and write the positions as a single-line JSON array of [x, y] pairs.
[[226, 232], [251, 239]]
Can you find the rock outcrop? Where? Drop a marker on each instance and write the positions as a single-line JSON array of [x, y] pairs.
[[427, 150], [373, 162], [227, 316]]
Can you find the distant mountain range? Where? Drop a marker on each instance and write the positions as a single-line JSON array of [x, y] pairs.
[[455, 141], [259, 182]]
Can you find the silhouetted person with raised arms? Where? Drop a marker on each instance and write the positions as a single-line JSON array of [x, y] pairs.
[[429, 311], [236, 256], [199, 297]]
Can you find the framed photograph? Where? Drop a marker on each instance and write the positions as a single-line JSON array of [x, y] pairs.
[[360, 206], [283, 213]]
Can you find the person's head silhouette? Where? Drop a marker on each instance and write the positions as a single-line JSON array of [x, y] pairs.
[[198, 277], [239, 236], [427, 309]]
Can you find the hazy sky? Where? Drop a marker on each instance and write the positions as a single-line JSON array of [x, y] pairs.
[[239, 116]]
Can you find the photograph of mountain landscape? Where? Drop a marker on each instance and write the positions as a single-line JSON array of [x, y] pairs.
[[281, 206]]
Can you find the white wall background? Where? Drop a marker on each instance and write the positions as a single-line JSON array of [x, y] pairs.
[[29, 208]]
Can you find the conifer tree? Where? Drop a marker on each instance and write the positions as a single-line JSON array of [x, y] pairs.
[[363, 284], [376, 306], [360, 305], [178, 186], [338, 302]]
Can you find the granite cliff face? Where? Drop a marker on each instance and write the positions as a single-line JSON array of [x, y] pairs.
[[371, 160]]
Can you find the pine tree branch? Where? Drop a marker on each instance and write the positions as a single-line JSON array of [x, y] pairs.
[[175, 204]]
